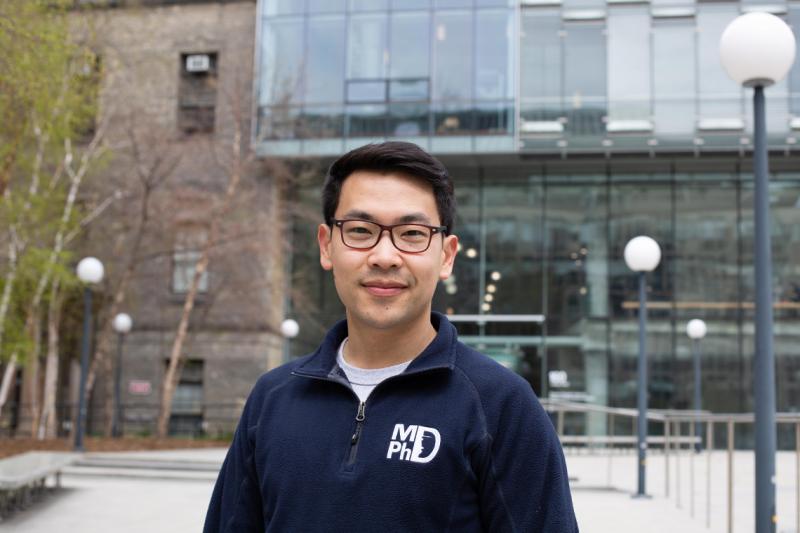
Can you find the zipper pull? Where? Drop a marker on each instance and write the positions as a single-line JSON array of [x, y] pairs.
[[359, 418]]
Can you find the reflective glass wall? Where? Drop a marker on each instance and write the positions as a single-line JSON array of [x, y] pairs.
[[549, 238], [622, 77], [334, 74]]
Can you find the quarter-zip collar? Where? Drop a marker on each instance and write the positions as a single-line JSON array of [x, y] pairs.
[[440, 353]]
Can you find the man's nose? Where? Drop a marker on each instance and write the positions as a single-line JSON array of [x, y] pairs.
[[384, 254]]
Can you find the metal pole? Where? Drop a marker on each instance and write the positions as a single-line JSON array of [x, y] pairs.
[[87, 327], [710, 449], [115, 429], [691, 471], [678, 437], [797, 472], [641, 395], [698, 384], [730, 476], [667, 445], [764, 371]]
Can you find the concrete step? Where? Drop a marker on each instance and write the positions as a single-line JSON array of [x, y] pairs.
[[148, 463], [139, 473]]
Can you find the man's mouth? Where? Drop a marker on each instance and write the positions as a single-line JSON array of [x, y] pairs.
[[384, 288]]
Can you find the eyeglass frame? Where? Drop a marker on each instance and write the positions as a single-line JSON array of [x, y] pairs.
[[339, 223]]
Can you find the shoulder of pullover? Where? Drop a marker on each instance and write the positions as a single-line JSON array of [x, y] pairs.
[[503, 394]]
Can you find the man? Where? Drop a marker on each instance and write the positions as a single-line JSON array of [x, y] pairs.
[[392, 424]]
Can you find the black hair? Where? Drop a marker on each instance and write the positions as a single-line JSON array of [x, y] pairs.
[[385, 158]]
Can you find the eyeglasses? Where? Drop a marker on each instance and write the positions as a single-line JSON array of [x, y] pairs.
[[409, 238]]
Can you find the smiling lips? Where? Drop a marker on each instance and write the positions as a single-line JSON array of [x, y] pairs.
[[384, 288]]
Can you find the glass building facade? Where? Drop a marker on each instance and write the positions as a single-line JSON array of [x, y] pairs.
[[569, 127]]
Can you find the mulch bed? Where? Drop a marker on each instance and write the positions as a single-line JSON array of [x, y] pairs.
[[13, 446]]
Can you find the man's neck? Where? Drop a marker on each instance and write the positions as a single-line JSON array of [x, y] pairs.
[[375, 348]]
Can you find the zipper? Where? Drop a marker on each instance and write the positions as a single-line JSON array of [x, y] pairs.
[[361, 413], [360, 417]]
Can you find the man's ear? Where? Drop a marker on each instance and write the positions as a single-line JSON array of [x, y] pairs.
[[449, 250], [324, 240]]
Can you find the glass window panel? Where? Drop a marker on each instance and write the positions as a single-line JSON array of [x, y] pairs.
[[410, 4], [706, 256], [409, 120], [284, 7], [493, 61], [493, 118], [487, 3], [629, 63], [325, 60], [453, 3], [183, 267], [408, 90], [585, 77], [410, 45], [577, 238], [453, 118], [366, 121], [326, 6], [794, 73], [367, 51], [366, 91], [640, 205], [279, 122], [541, 65], [281, 61], [720, 97], [584, 4], [369, 5], [321, 122], [674, 77], [452, 76]]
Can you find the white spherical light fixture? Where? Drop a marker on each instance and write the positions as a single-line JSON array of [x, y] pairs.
[[642, 254], [90, 270], [696, 329], [757, 49], [123, 323], [290, 328]]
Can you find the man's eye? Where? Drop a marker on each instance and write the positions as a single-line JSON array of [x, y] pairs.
[[414, 234]]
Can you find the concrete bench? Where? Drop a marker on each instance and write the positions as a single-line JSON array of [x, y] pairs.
[[23, 477]]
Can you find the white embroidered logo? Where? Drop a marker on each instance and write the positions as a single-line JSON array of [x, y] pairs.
[[421, 451]]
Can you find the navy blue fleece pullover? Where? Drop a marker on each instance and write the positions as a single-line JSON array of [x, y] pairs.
[[455, 443]]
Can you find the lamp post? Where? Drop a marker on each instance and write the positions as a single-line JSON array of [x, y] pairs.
[[90, 271], [757, 50], [122, 325], [642, 255], [289, 329], [696, 329]]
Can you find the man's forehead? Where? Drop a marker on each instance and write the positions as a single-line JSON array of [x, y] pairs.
[[418, 216], [384, 197]]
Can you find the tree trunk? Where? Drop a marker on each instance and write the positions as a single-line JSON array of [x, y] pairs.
[[104, 342], [175, 359], [8, 376], [32, 369], [48, 424]]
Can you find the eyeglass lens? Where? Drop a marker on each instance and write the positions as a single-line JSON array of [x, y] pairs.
[[406, 237]]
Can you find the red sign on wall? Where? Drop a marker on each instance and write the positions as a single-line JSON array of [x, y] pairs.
[[140, 387]]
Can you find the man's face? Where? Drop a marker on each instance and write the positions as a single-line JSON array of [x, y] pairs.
[[383, 287]]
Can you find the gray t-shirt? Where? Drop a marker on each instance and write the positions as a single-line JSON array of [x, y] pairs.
[[363, 380]]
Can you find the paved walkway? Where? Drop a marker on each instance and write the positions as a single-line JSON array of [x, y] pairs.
[[97, 500]]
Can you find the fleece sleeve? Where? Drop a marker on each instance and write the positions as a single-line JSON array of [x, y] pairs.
[[522, 477], [236, 501]]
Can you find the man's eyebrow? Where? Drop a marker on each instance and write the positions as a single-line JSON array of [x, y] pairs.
[[410, 218]]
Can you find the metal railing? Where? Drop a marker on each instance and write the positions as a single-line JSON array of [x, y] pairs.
[[679, 437], [195, 419]]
